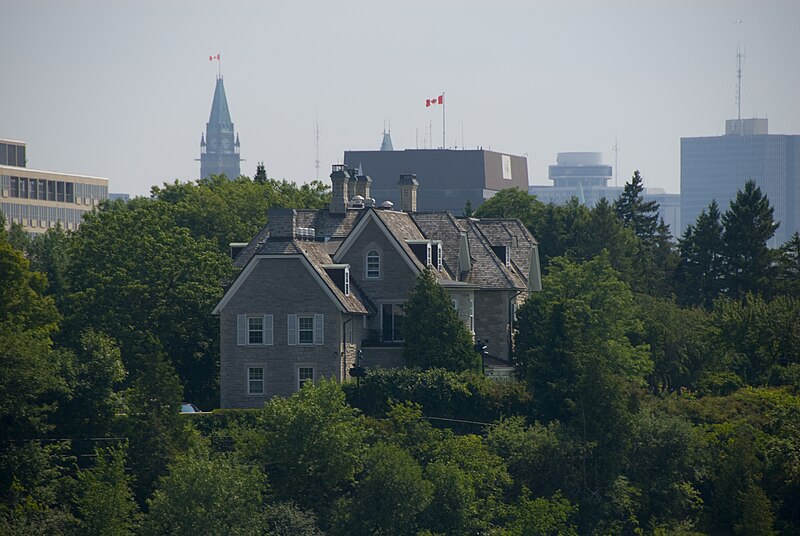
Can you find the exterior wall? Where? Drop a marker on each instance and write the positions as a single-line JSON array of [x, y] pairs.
[[447, 178], [280, 361], [464, 301], [492, 321], [56, 197], [396, 276]]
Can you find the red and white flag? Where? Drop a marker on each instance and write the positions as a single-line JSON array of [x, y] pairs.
[[212, 58], [435, 100]]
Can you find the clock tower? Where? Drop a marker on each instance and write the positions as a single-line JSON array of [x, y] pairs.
[[219, 148]]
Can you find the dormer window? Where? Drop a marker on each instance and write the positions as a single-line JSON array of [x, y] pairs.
[[428, 256], [373, 270], [439, 256], [347, 280], [340, 275], [423, 250], [503, 253]]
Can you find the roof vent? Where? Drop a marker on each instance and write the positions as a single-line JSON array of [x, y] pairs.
[[357, 202], [387, 205]]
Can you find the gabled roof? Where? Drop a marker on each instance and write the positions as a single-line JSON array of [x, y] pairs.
[[400, 229], [313, 257], [511, 233], [219, 106]]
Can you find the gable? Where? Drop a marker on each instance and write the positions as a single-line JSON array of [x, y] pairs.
[[373, 222]]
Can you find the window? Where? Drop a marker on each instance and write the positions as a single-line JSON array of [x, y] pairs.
[[392, 316], [373, 265], [347, 281], [305, 329], [254, 330], [428, 255], [439, 257], [255, 380], [304, 375]]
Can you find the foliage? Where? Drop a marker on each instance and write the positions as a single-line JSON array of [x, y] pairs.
[[150, 286], [105, 502], [207, 495], [544, 517], [435, 337], [700, 270], [748, 226], [311, 444]]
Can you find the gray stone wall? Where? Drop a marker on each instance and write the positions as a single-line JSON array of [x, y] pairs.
[[492, 321], [278, 287]]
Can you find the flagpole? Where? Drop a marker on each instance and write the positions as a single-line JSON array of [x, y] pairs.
[[444, 103]]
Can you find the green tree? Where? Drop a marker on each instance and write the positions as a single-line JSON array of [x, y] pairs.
[[574, 345], [105, 501], [261, 174], [513, 203], [311, 445], [605, 232], [748, 226], [149, 285], [635, 213], [207, 495], [434, 335], [789, 267], [700, 269], [544, 517], [391, 495]]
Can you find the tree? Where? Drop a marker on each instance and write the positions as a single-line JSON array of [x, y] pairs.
[[700, 269], [748, 225], [207, 495], [391, 496], [635, 213], [605, 232], [261, 174], [149, 285], [513, 203], [574, 345], [434, 335], [789, 266], [311, 445], [544, 517], [105, 502]]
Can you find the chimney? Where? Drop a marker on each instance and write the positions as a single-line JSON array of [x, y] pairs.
[[408, 192], [351, 187], [363, 183], [339, 180], [282, 223]]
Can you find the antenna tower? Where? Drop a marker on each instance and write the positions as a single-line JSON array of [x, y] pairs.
[[616, 161], [739, 56], [316, 162]]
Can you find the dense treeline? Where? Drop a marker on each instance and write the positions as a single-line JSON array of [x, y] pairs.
[[657, 388]]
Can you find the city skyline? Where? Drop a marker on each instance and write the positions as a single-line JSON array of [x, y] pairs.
[[124, 91]]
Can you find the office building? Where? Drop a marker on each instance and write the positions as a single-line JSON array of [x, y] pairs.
[[448, 178], [219, 148], [36, 199], [716, 167]]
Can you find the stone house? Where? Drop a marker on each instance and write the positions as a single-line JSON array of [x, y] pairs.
[[317, 286]]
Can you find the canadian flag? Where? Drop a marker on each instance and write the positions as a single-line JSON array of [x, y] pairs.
[[212, 58], [435, 100]]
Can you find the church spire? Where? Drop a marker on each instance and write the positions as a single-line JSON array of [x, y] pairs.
[[220, 115]]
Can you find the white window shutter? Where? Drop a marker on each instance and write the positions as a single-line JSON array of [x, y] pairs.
[[268, 330], [319, 329], [241, 330], [291, 335]]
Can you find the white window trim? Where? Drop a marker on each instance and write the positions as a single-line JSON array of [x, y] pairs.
[[243, 330], [263, 380], [293, 329], [439, 257], [298, 366], [366, 264], [347, 281]]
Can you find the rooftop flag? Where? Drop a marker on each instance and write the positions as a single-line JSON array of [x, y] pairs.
[[435, 100], [212, 58]]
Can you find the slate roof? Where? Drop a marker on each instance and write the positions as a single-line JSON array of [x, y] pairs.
[[511, 233], [403, 227]]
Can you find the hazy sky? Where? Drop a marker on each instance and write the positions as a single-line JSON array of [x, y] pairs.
[[123, 89]]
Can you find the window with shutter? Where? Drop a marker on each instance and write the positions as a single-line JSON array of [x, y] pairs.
[[268, 338], [319, 329]]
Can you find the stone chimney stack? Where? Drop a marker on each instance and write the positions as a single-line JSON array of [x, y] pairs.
[[408, 192], [351, 188], [363, 183], [340, 179], [282, 223]]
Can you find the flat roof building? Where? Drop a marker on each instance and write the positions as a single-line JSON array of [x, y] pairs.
[[37, 199], [448, 178], [716, 167]]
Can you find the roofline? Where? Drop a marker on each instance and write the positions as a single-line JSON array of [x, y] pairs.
[[359, 228], [244, 274], [74, 175]]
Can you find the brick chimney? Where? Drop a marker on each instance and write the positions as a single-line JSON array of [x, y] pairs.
[[351, 187], [408, 192], [363, 183], [282, 222], [340, 178]]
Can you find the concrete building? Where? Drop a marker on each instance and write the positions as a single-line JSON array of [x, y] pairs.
[[37, 199], [219, 149], [448, 178], [584, 176], [318, 286], [716, 167]]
